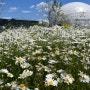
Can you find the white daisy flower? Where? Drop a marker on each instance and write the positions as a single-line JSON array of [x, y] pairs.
[[83, 77], [24, 65], [50, 81], [4, 71], [9, 75], [25, 74], [20, 60]]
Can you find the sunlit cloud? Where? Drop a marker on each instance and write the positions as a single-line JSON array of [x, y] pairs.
[[2, 3], [13, 9], [26, 11], [6, 17], [41, 6], [32, 6]]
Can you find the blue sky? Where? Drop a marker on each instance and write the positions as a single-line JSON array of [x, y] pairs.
[[26, 9]]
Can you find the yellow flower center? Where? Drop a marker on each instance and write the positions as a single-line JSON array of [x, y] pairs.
[[9, 75], [39, 57], [19, 59], [73, 51], [65, 76], [82, 75], [68, 81], [22, 85], [24, 64], [50, 82]]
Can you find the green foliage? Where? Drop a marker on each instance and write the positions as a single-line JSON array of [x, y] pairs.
[[9, 25]]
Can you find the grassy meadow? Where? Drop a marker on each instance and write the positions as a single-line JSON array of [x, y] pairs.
[[41, 58]]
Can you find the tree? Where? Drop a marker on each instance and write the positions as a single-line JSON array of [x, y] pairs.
[[53, 12]]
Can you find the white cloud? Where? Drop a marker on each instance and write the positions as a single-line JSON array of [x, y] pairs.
[[6, 17], [32, 6], [41, 6], [40, 10], [2, 3], [25, 11], [13, 9]]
